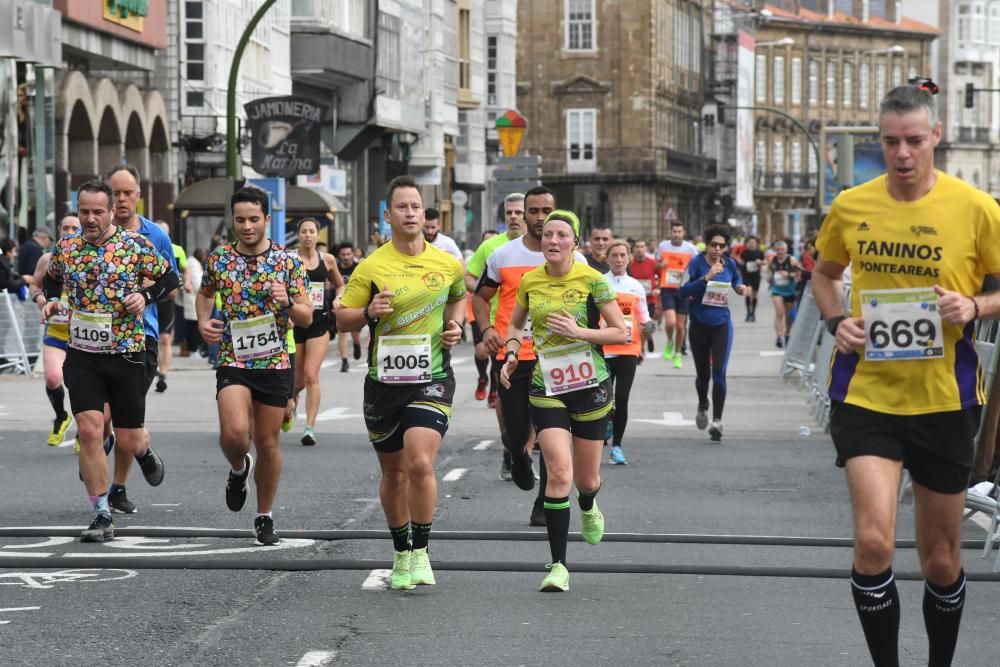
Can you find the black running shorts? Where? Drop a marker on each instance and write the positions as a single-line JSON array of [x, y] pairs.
[[584, 412], [320, 327], [391, 409], [267, 386], [671, 299], [936, 448], [116, 379], [514, 404], [477, 333], [152, 361], [166, 310]]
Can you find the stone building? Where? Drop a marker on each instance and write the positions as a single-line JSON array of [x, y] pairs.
[[613, 95]]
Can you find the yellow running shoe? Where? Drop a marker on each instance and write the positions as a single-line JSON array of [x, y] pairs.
[[420, 568], [557, 580], [59, 428], [592, 525], [288, 422], [400, 580]]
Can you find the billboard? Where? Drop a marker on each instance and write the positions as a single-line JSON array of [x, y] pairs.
[[744, 121], [851, 156], [285, 133]]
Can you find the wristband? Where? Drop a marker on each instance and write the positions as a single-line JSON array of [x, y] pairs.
[[483, 332], [368, 315], [512, 339], [976, 306], [833, 323]]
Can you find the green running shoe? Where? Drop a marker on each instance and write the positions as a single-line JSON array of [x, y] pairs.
[[668, 351], [557, 580], [421, 573], [401, 572], [677, 360], [592, 525], [288, 422]]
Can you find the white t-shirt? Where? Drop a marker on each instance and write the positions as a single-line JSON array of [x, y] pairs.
[[685, 246], [196, 270], [448, 244]]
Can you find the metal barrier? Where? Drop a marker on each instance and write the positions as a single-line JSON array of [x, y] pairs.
[[800, 351], [986, 344], [20, 334]]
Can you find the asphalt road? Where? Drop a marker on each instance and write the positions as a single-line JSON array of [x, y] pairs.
[[183, 583]]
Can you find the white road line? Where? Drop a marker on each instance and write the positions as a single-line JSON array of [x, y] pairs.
[[454, 475], [378, 580], [981, 520], [772, 353], [165, 504], [316, 659], [20, 609], [483, 444]]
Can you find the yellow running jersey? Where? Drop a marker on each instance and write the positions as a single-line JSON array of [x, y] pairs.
[[422, 285], [950, 237]]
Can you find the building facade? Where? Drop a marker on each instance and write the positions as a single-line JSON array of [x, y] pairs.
[[613, 93], [825, 63]]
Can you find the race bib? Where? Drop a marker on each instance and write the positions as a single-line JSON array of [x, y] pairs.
[[317, 294], [781, 278], [902, 324], [752, 267], [628, 329], [61, 317], [674, 277], [404, 359], [91, 332], [716, 294], [567, 368], [527, 329], [256, 338]]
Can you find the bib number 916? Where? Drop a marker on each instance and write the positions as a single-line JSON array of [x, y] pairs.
[[902, 333]]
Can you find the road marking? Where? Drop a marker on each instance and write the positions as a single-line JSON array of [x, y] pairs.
[[165, 504], [982, 520], [457, 361], [51, 542], [378, 580], [285, 543], [44, 580], [483, 444], [316, 659], [19, 609], [772, 353], [669, 419], [454, 475]]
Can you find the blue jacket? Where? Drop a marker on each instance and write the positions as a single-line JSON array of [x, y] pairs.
[[162, 243], [694, 286]]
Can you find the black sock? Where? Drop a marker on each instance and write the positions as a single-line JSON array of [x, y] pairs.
[[749, 305], [942, 616], [400, 537], [421, 533], [877, 602], [753, 308], [543, 476], [56, 397], [557, 526], [586, 500], [481, 365]]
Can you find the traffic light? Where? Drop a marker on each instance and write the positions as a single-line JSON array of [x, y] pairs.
[[970, 90]]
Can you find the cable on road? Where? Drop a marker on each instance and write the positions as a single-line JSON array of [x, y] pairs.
[[478, 535], [326, 564]]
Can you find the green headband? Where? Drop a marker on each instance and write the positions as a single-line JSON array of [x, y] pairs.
[[567, 216]]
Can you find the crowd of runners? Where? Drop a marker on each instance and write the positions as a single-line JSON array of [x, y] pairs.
[[560, 325]]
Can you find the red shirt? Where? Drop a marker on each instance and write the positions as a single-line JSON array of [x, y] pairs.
[[645, 270]]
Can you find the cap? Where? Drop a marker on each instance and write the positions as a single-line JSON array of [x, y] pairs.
[[43, 230], [563, 215]]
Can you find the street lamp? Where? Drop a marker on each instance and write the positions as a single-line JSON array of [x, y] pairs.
[[784, 41]]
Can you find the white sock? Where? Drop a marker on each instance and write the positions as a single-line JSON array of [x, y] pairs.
[[260, 514]]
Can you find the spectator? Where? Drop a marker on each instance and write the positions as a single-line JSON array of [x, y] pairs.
[[9, 280], [29, 253]]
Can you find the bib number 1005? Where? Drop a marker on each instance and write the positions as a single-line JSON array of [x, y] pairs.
[[401, 362]]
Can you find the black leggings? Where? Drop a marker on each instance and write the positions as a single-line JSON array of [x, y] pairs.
[[710, 348], [622, 370]]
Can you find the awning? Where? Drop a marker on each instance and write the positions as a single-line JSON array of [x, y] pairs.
[[208, 197]]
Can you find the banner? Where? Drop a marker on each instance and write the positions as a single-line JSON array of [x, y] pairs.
[[286, 135]]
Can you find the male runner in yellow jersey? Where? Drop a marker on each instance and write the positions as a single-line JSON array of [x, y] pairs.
[[905, 380], [412, 297]]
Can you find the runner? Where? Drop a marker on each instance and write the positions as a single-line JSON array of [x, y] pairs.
[[412, 297], [643, 268], [54, 342], [623, 359], [750, 261], [570, 392], [166, 312], [503, 273], [264, 291], [124, 181], [600, 238], [433, 235], [513, 211], [673, 257], [312, 342], [783, 268], [480, 355], [102, 271], [905, 381], [346, 263], [707, 282]]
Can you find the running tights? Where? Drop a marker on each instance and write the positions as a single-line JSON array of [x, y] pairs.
[[622, 370], [710, 348]]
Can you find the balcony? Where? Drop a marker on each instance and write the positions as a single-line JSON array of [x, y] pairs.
[[629, 164], [784, 181]]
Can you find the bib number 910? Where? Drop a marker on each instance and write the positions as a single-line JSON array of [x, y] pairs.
[[567, 368]]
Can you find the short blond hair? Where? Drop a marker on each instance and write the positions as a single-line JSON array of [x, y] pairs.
[[619, 242]]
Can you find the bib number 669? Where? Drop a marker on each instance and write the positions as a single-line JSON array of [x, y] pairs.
[[902, 333]]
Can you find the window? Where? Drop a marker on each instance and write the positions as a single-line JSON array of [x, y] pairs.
[[879, 82], [581, 139], [195, 98], [813, 170], [779, 79], [779, 164], [848, 83], [194, 44], [978, 24], [491, 71], [897, 75], [761, 78], [464, 58], [387, 78], [994, 23], [963, 29], [194, 15], [580, 25], [796, 81], [864, 73], [683, 44], [760, 160], [831, 83], [912, 74], [796, 157], [813, 82]]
